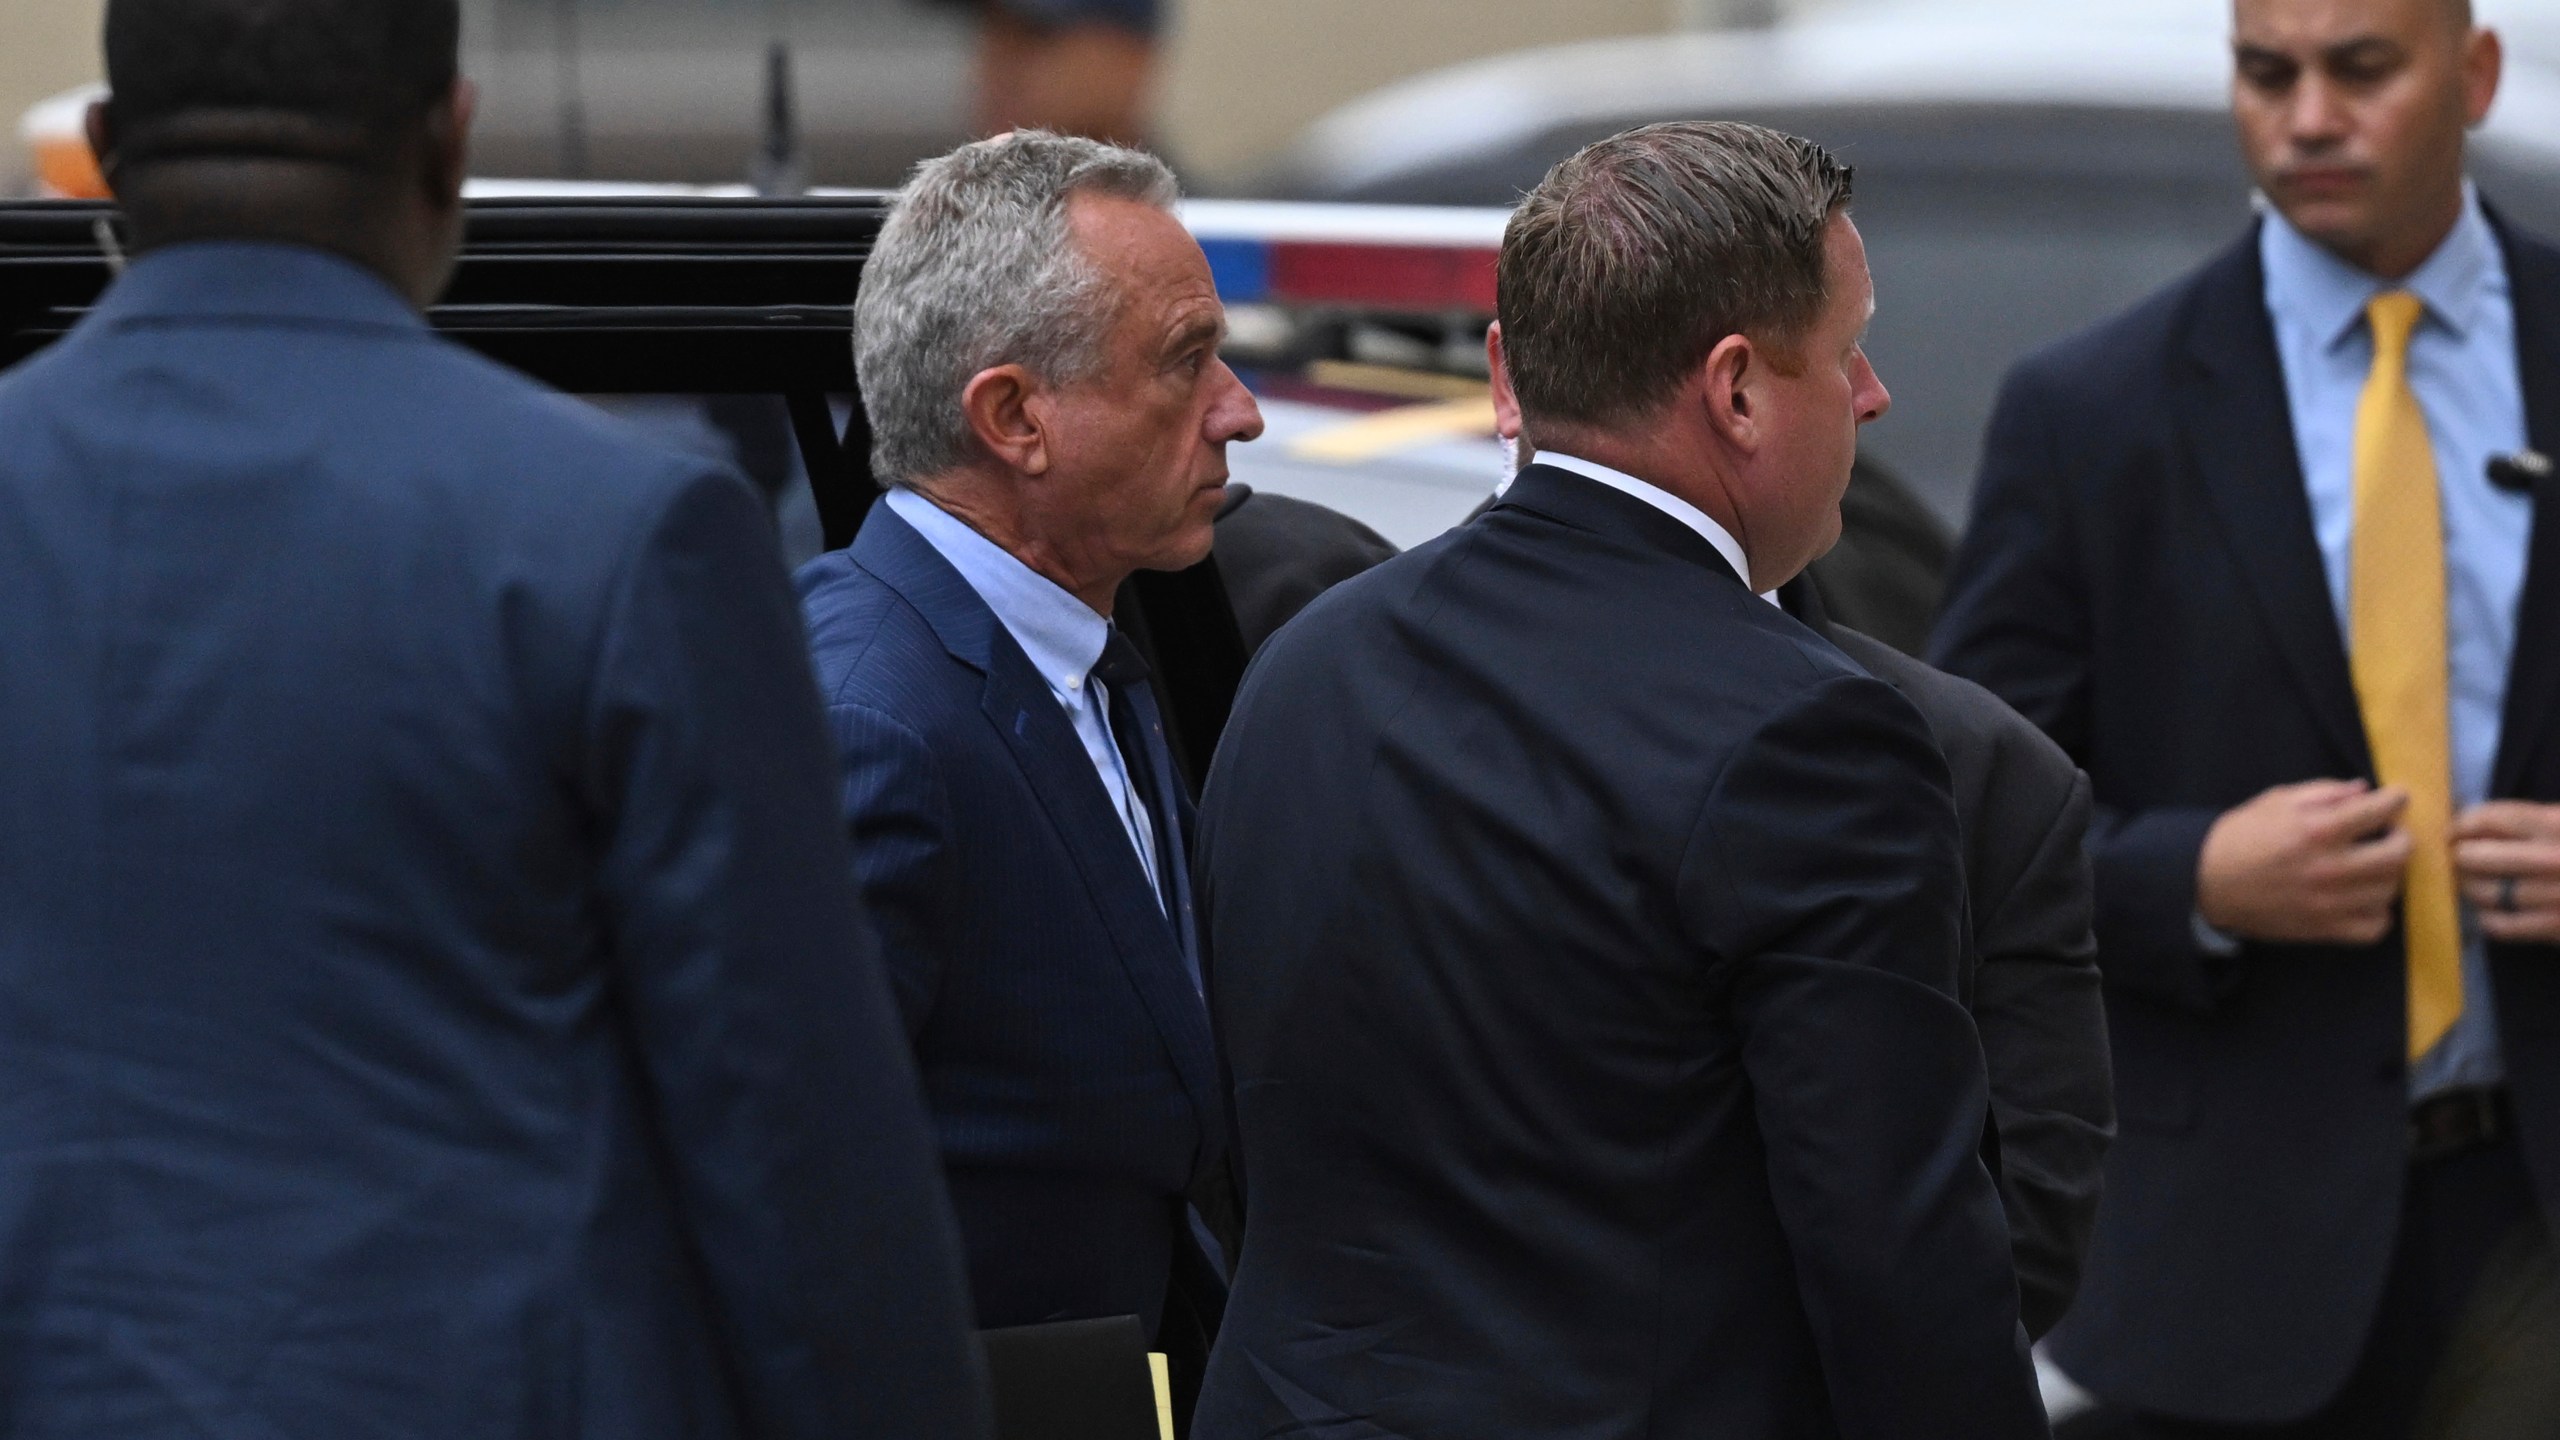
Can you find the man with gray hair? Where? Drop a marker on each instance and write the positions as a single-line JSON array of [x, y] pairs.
[[1587, 930], [1038, 347]]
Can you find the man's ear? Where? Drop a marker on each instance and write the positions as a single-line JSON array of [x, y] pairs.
[[2483, 60], [100, 123], [1728, 388], [448, 158], [1506, 405], [1006, 413]]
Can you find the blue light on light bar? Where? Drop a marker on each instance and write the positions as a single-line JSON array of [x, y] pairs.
[[1241, 268]]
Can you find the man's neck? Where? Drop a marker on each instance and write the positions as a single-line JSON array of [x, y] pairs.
[[986, 506], [1650, 460], [285, 203]]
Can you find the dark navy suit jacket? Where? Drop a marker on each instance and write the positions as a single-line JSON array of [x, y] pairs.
[[2142, 581], [1064, 1044], [431, 1002], [1584, 937]]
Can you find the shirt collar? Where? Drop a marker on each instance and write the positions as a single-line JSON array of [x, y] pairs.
[[1061, 634], [2328, 296], [1660, 499]]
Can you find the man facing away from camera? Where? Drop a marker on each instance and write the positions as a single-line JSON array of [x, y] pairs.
[[431, 1002], [1038, 343], [1584, 932]]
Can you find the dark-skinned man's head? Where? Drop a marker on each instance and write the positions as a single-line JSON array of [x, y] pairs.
[[2352, 114], [339, 124]]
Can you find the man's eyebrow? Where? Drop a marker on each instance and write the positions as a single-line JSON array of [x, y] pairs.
[[2363, 47], [1199, 329]]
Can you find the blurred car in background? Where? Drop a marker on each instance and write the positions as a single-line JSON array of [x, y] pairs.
[[2023, 170]]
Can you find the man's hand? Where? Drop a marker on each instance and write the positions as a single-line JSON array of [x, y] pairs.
[[2507, 854], [2317, 862]]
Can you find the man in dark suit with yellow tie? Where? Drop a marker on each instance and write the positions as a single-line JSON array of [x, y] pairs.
[[2257, 555]]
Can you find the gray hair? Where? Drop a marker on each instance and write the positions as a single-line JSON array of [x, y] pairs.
[[1637, 256], [975, 268]]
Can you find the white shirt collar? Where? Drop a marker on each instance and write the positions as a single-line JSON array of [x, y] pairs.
[[1660, 499], [1061, 634]]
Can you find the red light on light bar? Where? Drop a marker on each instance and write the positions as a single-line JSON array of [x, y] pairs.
[[1403, 277]]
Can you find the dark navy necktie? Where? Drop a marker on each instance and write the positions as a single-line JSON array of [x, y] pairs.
[[1138, 728]]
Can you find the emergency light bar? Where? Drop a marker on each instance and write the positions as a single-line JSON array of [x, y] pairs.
[[1415, 258]]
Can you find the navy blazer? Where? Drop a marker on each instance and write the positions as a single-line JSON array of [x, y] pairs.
[[1584, 937], [430, 1000], [2141, 580], [1064, 1045]]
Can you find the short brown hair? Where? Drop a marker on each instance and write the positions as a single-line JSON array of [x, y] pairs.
[[1637, 256]]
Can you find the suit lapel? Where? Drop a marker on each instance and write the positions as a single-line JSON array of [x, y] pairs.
[[1035, 731], [2240, 428], [2533, 676], [1054, 762]]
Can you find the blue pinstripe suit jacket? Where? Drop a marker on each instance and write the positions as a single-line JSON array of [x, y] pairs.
[[1065, 1050]]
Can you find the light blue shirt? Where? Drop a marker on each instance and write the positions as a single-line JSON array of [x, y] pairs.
[[1063, 637], [2462, 364]]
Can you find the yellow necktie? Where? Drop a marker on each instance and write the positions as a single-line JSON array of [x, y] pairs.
[[2396, 635]]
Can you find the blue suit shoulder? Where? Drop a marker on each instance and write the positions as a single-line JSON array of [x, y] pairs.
[[560, 455], [872, 647], [426, 434]]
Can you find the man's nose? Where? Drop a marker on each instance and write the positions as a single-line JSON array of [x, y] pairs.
[[1873, 399], [2316, 119], [1234, 415]]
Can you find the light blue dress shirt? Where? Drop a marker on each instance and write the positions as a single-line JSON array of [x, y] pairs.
[[1064, 639], [2462, 364]]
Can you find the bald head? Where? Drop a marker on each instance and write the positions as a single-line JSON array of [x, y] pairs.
[[2352, 115], [2454, 16]]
